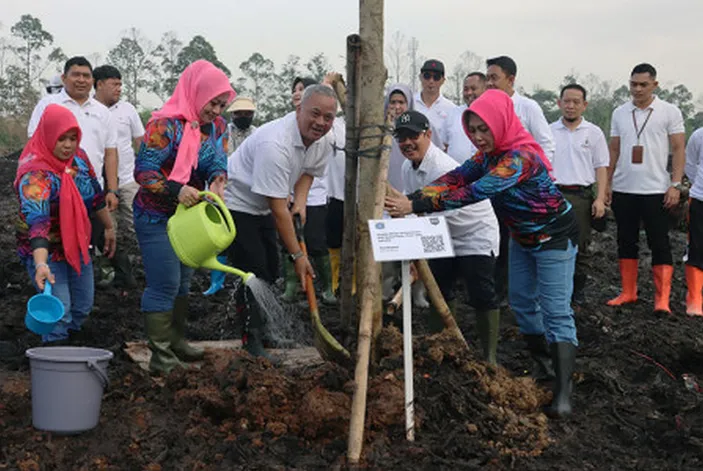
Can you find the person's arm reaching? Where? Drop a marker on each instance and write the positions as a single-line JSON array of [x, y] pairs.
[[286, 231]]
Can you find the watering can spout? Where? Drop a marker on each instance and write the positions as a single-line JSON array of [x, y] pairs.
[[213, 264]]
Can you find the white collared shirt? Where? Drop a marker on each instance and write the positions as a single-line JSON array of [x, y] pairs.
[[532, 118], [437, 113], [651, 176], [336, 162], [459, 146], [694, 163], [578, 153], [95, 122], [474, 228], [269, 163], [129, 127]]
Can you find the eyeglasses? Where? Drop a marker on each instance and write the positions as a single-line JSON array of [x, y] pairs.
[[404, 134], [432, 75]]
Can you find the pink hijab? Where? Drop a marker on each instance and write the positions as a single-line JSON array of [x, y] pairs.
[[496, 109], [199, 83]]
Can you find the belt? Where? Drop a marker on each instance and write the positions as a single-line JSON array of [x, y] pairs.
[[574, 188]]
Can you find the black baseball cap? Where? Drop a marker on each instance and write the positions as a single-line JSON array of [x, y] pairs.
[[413, 121], [433, 65]]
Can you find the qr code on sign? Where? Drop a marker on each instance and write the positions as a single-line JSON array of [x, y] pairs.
[[432, 244]]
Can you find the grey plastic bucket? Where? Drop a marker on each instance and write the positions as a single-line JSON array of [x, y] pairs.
[[67, 387]]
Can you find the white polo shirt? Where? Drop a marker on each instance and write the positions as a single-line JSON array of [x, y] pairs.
[[578, 153], [694, 163], [269, 163], [336, 161], [459, 146], [95, 121], [437, 112], [129, 127], [651, 176], [474, 228], [532, 118]]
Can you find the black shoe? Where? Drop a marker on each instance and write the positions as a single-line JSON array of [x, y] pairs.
[[564, 358], [542, 370]]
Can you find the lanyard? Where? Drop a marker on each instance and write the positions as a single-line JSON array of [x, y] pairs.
[[639, 131]]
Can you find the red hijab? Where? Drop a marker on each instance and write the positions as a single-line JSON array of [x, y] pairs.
[[496, 109], [199, 83], [38, 154]]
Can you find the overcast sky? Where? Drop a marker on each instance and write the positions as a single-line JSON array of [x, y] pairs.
[[547, 38]]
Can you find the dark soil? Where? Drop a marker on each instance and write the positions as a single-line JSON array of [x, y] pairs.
[[633, 410]]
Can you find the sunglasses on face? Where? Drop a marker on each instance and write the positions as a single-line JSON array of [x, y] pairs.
[[436, 76]]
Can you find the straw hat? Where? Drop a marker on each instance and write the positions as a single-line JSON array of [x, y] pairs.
[[242, 103]]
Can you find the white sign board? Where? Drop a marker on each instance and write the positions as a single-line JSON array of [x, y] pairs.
[[410, 238]]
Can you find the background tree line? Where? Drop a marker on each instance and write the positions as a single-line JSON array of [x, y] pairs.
[[150, 71]]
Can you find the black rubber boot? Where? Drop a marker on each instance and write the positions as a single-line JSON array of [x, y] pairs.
[[542, 369], [578, 297], [253, 331], [180, 347], [564, 358]]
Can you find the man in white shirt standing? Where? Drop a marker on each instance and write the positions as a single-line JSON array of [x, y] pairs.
[[280, 158], [501, 73], [430, 101], [108, 91], [99, 136], [457, 143], [694, 252], [581, 159], [473, 228], [642, 189]]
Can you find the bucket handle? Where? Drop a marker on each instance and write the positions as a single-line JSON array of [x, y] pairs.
[[97, 371]]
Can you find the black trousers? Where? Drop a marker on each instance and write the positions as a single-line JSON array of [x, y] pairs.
[[254, 249], [632, 210], [694, 251], [315, 230], [335, 223], [477, 273]]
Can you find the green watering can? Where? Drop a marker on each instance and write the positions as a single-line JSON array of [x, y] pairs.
[[199, 233]]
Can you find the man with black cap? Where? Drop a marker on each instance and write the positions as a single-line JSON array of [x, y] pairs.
[[430, 100], [473, 228]]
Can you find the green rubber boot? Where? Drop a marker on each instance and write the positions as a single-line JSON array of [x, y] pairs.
[[292, 282], [253, 334], [324, 272], [435, 322], [487, 327], [179, 346], [159, 327]]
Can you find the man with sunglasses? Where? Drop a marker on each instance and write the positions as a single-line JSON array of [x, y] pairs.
[[473, 228], [430, 100]]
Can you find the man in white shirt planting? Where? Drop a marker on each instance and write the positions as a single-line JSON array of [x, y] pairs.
[[473, 228], [581, 159], [642, 131]]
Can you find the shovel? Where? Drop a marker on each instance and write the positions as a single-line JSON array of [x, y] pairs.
[[326, 345]]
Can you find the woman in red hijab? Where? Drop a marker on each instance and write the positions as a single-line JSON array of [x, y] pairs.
[[184, 150], [57, 187], [512, 171]]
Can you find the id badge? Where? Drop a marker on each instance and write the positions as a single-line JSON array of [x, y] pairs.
[[637, 154]]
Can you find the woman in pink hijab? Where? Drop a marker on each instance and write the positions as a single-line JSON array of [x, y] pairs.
[[183, 151], [512, 171]]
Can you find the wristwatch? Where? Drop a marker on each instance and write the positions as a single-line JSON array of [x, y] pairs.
[[677, 185], [114, 192], [295, 256]]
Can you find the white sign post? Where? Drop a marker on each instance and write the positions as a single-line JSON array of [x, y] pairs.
[[405, 240]]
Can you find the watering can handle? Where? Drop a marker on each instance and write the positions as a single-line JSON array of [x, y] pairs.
[[221, 205], [92, 366], [298, 224]]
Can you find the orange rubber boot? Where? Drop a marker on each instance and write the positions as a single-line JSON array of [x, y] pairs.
[[694, 298], [662, 287], [628, 276]]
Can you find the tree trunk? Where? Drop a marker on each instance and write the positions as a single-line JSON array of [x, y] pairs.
[[351, 173], [371, 192]]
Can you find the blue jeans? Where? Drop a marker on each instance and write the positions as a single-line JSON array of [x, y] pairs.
[[166, 276], [76, 293], [540, 287]]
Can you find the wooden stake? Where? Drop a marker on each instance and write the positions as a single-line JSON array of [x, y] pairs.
[[351, 167]]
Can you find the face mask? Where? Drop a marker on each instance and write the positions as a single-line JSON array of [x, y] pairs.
[[243, 122]]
